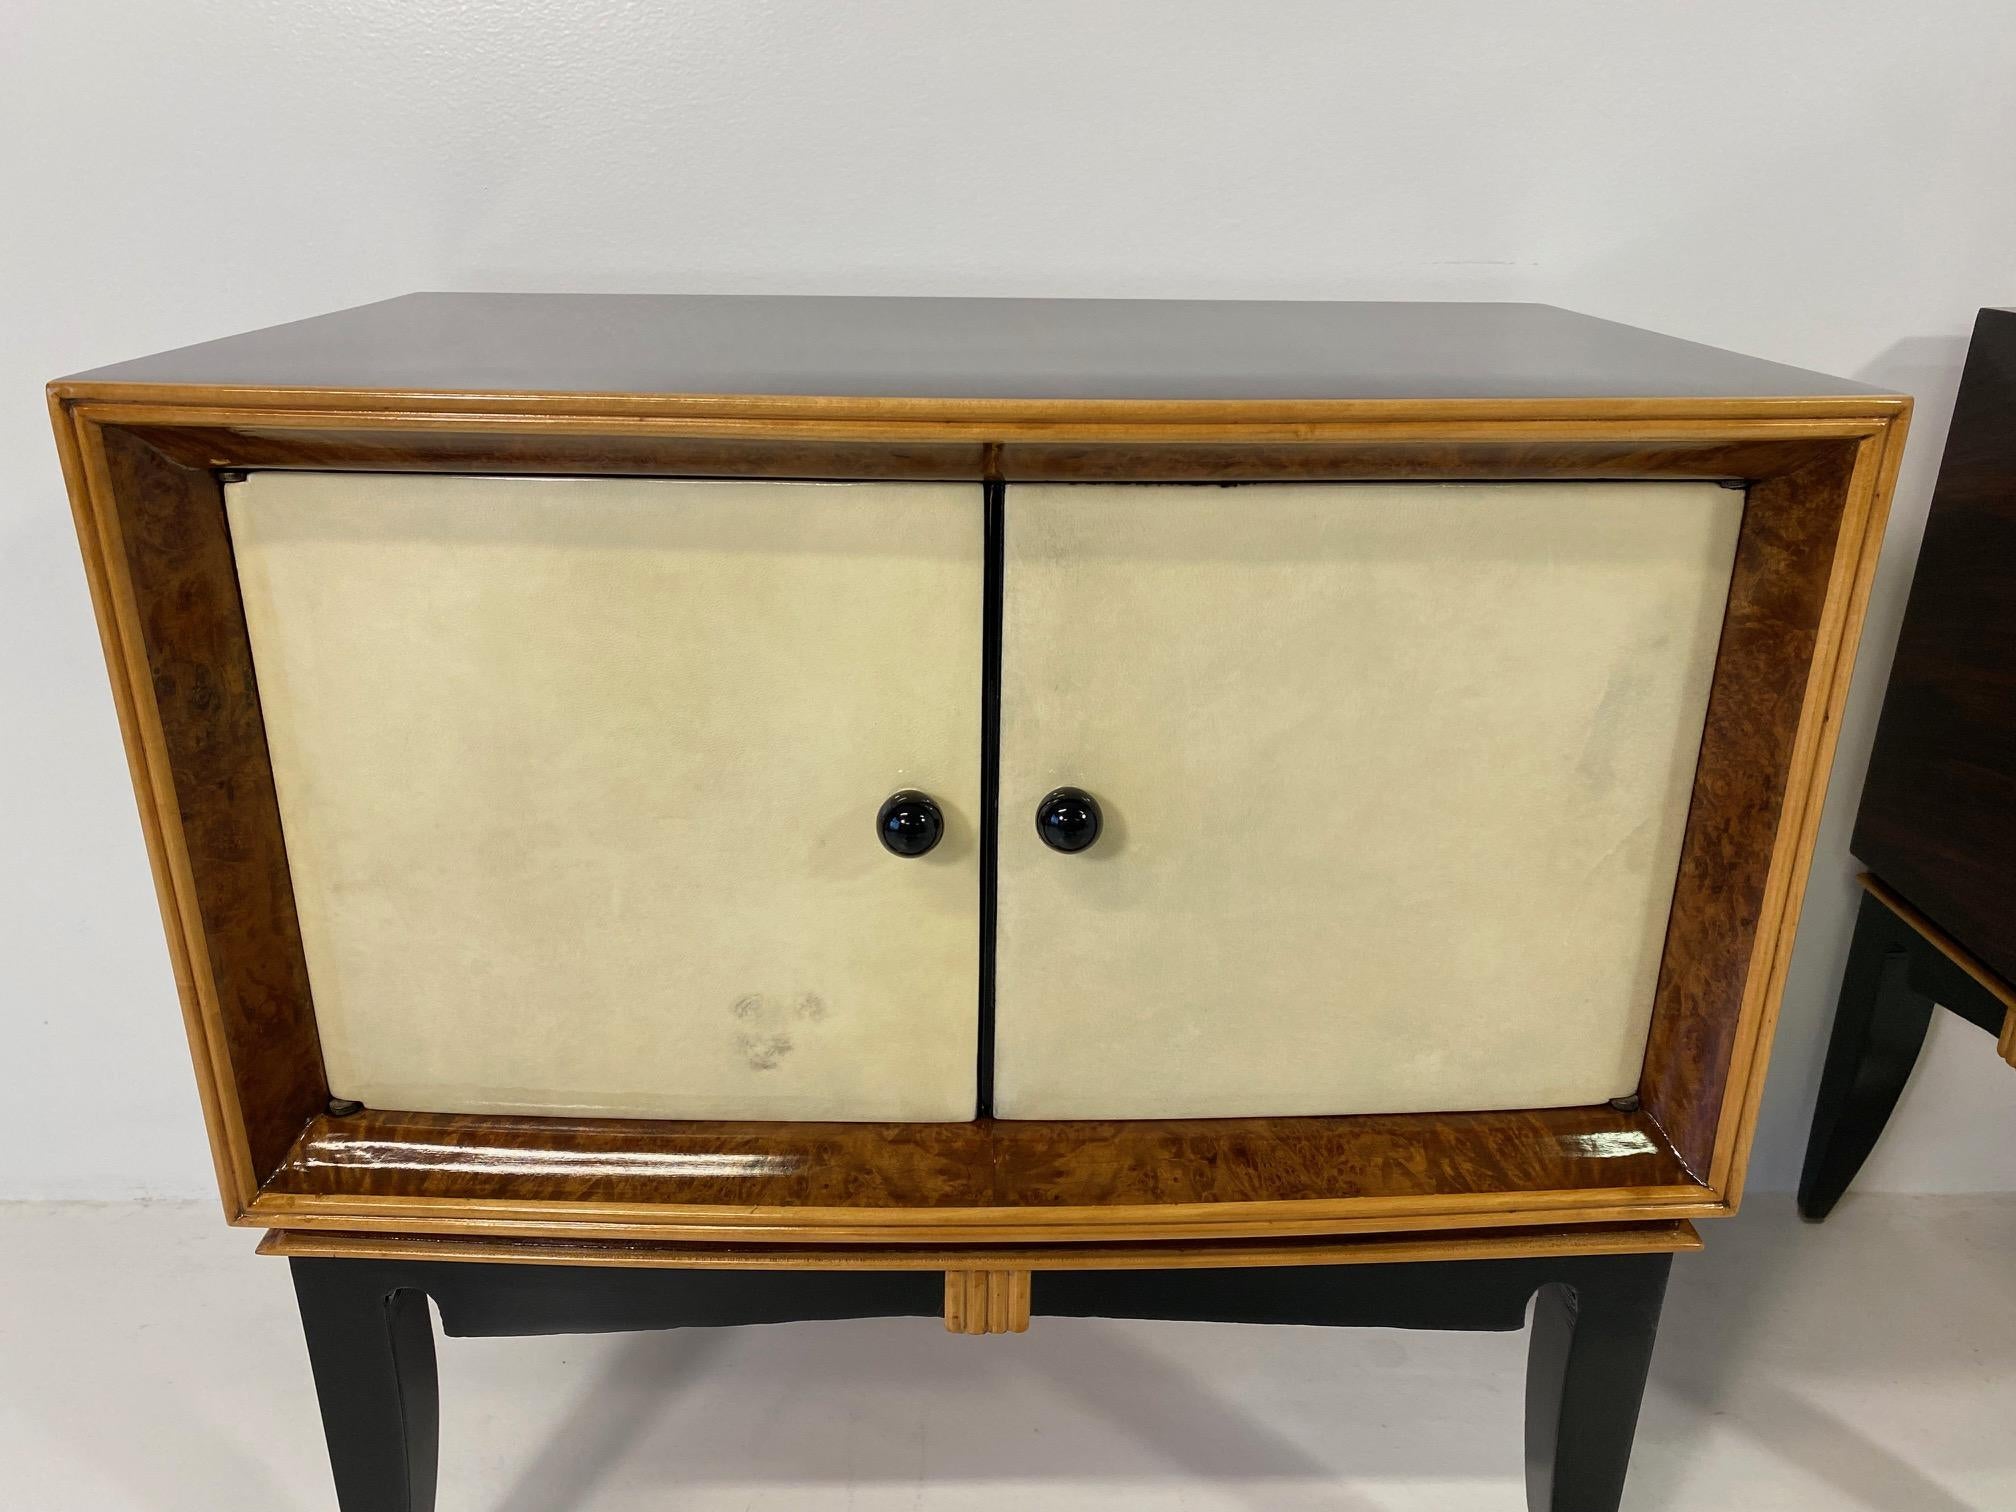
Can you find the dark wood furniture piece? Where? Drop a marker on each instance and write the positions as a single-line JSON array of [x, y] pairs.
[[1622, 616], [1937, 823]]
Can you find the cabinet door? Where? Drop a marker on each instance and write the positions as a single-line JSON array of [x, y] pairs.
[[579, 780], [1393, 780]]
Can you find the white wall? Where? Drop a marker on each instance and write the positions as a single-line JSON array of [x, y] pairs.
[[1828, 183]]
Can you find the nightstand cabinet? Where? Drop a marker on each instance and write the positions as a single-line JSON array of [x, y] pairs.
[[711, 809]]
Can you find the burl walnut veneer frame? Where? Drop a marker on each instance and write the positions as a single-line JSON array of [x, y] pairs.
[[143, 459]]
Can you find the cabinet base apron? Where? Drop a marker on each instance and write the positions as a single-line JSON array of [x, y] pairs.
[[1594, 1317]]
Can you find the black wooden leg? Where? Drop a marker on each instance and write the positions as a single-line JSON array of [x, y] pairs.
[[1585, 1376], [371, 1345], [1879, 1028]]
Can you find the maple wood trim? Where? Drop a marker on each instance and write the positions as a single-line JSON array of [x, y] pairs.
[[1865, 514], [1371, 1249], [409, 404], [1958, 954]]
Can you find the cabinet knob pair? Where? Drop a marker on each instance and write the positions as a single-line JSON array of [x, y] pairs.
[[910, 823]]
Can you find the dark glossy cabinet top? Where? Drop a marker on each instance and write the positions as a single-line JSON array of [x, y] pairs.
[[1054, 349], [1938, 815]]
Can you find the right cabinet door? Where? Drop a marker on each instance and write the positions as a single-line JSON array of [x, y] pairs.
[[1392, 777]]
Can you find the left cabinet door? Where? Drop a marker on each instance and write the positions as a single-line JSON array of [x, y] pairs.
[[580, 782]]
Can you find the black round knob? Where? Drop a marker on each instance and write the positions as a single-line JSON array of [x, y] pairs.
[[1068, 819], [909, 823]]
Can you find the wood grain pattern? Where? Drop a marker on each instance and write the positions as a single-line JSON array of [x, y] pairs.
[[345, 444], [185, 418], [1819, 463], [1864, 511], [338, 441], [1004, 1181], [215, 770], [516, 1218], [81, 453], [1937, 820], [986, 1301], [1784, 558], [1449, 456], [1364, 1249], [985, 1163]]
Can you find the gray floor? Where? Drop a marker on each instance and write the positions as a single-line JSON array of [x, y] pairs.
[[149, 1361]]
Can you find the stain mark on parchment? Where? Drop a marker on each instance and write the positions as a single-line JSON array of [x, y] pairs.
[[764, 1052], [762, 1037]]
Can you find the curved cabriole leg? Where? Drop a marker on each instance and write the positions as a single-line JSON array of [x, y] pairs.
[[1585, 1376], [371, 1346], [1879, 1028]]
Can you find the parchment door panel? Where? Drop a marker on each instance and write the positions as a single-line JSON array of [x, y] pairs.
[[1394, 778], [579, 783]]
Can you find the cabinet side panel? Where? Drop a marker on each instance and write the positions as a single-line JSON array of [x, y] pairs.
[[1395, 779], [580, 777], [1938, 814]]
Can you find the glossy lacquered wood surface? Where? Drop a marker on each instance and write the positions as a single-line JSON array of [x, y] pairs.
[[987, 1180], [436, 438], [1785, 560], [1937, 821], [1014, 349], [218, 783]]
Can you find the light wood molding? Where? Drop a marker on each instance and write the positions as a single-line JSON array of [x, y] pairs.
[[1941, 941], [1958, 954], [1864, 517], [173, 403], [1370, 1249], [1307, 1218], [986, 1301]]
